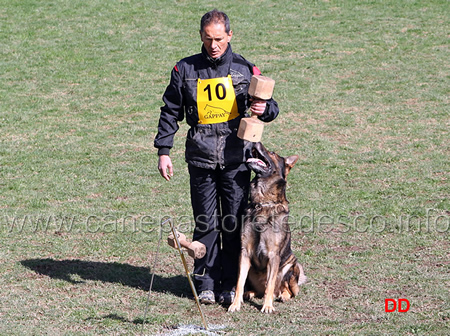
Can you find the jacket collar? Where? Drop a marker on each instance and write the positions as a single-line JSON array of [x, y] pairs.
[[226, 56]]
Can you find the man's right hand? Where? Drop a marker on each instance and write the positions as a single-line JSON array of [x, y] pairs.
[[165, 167]]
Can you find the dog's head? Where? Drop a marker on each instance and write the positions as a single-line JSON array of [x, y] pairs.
[[265, 163], [269, 184]]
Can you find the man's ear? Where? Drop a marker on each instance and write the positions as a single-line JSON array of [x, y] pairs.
[[230, 35]]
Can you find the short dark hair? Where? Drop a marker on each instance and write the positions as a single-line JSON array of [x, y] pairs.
[[215, 16]]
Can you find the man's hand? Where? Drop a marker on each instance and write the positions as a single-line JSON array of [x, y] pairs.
[[165, 167], [258, 106]]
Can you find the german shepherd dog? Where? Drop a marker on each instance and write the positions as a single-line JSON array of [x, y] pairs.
[[267, 265]]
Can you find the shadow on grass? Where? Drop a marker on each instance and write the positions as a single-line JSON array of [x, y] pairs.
[[75, 271], [115, 317]]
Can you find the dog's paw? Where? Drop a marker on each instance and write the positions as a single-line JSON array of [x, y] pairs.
[[236, 306], [249, 295], [285, 296], [268, 309]]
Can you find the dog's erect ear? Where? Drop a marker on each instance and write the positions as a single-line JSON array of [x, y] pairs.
[[290, 162]]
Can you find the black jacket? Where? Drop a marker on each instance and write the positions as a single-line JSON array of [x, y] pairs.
[[207, 145]]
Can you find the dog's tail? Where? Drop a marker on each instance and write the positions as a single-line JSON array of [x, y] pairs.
[[302, 277]]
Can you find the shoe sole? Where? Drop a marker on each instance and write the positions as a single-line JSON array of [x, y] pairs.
[[207, 302]]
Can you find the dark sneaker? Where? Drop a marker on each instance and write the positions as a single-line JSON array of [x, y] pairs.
[[207, 297], [227, 297]]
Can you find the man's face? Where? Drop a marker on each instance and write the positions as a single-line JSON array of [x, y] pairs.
[[215, 39]]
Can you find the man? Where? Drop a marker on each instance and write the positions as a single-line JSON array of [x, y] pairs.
[[210, 90]]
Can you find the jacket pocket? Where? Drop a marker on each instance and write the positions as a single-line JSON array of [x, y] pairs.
[[200, 144]]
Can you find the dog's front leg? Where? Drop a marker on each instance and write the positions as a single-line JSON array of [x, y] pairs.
[[272, 273], [244, 266]]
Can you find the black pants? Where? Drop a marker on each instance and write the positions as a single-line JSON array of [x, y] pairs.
[[219, 197]]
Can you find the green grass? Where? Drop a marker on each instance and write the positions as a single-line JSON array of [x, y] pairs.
[[363, 92]]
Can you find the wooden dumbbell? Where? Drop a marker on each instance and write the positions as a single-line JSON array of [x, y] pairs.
[[195, 249], [251, 129]]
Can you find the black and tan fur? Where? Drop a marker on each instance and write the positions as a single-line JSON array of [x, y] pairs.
[[267, 265]]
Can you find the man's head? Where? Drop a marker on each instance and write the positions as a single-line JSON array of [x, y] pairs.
[[215, 32]]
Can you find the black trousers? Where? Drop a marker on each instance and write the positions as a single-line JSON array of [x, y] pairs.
[[219, 197]]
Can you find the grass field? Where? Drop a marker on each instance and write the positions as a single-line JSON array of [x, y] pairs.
[[363, 88]]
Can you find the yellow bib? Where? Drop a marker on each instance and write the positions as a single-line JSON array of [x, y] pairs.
[[216, 100]]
